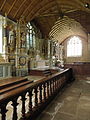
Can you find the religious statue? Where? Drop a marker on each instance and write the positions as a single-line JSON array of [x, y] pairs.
[[23, 39], [12, 38]]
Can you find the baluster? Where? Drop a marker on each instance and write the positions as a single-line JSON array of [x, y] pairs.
[[65, 78], [14, 104], [40, 96], [23, 106], [3, 111], [30, 101], [50, 87], [36, 99], [59, 82], [62, 80], [47, 89], [53, 85], [44, 91]]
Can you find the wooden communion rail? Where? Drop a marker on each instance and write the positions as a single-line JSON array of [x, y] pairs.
[[40, 93]]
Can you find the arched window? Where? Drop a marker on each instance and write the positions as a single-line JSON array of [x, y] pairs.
[[1, 44], [31, 36], [74, 47]]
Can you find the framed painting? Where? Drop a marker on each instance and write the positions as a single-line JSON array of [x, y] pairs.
[[22, 60]]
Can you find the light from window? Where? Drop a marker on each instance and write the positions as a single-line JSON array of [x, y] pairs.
[[74, 47], [31, 38], [0, 39]]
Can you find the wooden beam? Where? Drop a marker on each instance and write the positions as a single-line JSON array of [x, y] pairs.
[[47, 15], [59, 9], [28, 7], [3, 4], [41, 8], [11, 7], [19, 8]]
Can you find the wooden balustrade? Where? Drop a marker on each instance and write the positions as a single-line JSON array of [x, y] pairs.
[[39, 93], [14, 104]]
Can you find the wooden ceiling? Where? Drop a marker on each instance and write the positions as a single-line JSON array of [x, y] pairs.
[[45, 13]]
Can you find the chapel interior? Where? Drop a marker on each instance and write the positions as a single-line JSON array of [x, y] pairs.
[[44, 59]]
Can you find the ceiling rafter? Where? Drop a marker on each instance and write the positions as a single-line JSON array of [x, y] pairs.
[[42, 8], [46, 15], [80, 3], [58, 8], [73, 4], [50, 11], [67, 11], [46, 12], [27, 8], [11, 7], [32, 9], [19, 8], [3, 4]]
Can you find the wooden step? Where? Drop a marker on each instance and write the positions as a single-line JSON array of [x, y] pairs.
[[14, 86], [47, 72], [4, 83]]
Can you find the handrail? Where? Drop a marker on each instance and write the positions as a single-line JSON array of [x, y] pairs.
[[42, 90]]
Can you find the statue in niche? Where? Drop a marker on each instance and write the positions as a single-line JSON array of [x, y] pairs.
[[12, 38], [38, 55], [23, 39]]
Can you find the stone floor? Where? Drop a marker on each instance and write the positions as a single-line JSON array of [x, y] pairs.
[[72, 103]]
